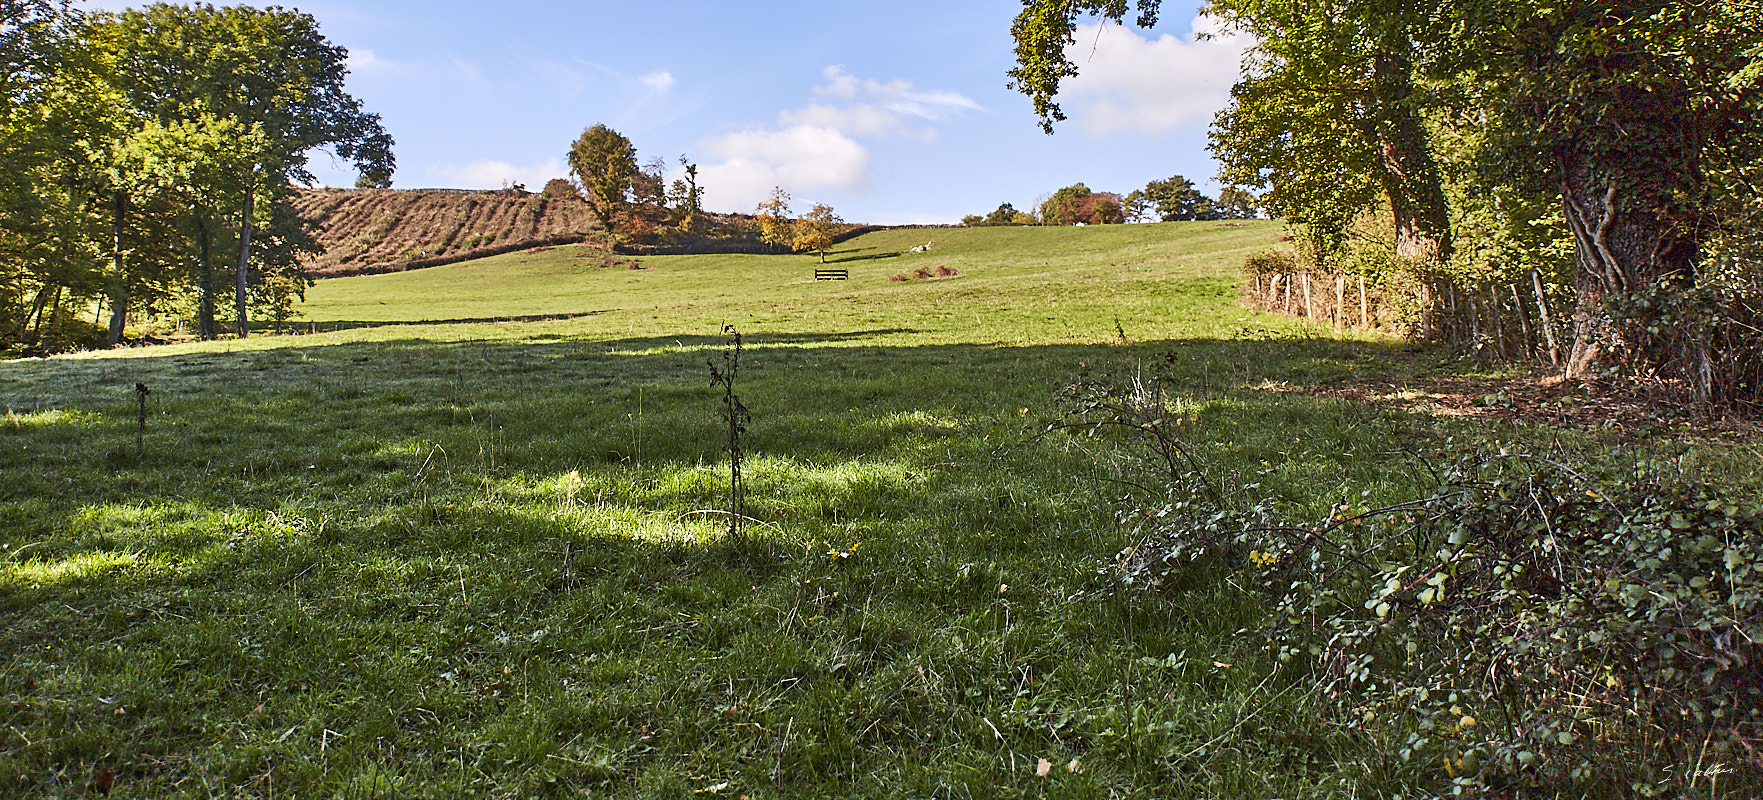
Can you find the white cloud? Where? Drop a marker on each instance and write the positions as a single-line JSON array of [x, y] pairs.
[[860, 120], [493, 174], [658, 82], [799, 158], [1127, 82], [814, 147]]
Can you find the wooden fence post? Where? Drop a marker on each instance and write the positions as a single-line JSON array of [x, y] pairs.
[[1364, 318]]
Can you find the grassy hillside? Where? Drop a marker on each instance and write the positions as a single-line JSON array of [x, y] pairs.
[[487, 559], [381, 230], [1013, 285]]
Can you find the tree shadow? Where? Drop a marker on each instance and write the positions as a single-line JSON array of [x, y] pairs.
[[876, 256]]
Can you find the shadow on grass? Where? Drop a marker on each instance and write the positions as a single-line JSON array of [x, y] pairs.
[[256, 428], [332, 325], [868, 257], [408, 538]]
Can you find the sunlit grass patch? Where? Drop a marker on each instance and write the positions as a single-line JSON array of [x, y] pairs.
[[39, 573]]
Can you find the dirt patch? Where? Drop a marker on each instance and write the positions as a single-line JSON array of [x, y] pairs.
[[1546, 399]]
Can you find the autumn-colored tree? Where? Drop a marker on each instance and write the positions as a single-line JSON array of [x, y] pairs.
[[774, 219], [1076, 204], [816, 230], [647, 211], [605, 163], [1063, 208]]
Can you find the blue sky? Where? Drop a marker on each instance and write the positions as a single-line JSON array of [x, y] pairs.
[[890, 112]]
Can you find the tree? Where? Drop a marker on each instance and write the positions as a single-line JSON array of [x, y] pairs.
[[1106, 209], [1004, 214], [816, 230], [1135, 207], [1325, 114], [1639, 112], [647, 210], [1235, 202], [686, 198], [973, 221], [1176, 199], [272, 73], [1067, 206], [605, 163], [1077, 205], [774, 218], [1631, 113]]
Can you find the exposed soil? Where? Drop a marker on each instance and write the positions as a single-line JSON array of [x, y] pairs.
[[367, 231], [1545, 398]]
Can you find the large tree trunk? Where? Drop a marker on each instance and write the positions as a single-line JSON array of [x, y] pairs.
[[119, 285], [1627, 238], [244, 257]]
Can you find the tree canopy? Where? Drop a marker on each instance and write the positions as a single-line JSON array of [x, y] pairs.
[[605, 163], [145, 148], [1634, 119], [815, 231]]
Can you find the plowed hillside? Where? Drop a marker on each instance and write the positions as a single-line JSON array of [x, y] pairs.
[[389, 230]]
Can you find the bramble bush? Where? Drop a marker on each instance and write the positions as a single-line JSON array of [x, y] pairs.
[[1528, 628]]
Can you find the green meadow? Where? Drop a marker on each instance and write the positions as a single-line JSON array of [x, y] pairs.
[[470, 540]]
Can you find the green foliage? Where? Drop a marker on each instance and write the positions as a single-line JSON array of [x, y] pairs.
[[686, 198], [1631, 117], [1004, 214], [605, 164], [1176, 200], [1043, 31], [160, 138], [1271, 262], [1523, 627], [1235, 202]]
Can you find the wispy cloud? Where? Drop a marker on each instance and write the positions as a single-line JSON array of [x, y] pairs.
[[564, 80], [1127, 82], [452, 71], [364, 62], [873, 108], [658, 82]]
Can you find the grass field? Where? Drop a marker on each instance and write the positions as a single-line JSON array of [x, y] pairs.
[[469, 544]]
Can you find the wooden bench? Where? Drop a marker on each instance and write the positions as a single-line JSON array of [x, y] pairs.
[[831, 275]]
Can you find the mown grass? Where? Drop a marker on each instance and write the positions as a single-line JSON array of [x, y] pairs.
[[475, 559]]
